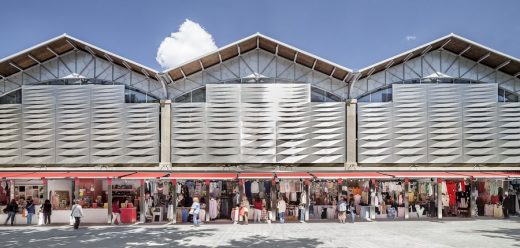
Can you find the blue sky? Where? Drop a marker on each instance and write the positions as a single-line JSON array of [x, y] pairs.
[[354, 34]]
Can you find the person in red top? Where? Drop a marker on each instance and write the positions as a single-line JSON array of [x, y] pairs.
[[116, 212], [257, 203]]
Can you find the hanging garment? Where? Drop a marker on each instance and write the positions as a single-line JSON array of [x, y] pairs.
[[254, 187], [293, 197], [247, 188], [357, 199], [213, 211], [303, 198]]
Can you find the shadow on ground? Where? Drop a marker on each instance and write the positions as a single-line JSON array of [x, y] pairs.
[[502, 233], [102, 237], [262, 241], [133, 236]]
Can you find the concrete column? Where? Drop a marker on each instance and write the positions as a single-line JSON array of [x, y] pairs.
[[274, 200], [174, 201], [473, 200], [439, 198], [406, 202], [76, 188], [351, 132], [109, 194], [165, 159], [141, 202], [208, 198], [45, 189], [11, 190], [308, 204]]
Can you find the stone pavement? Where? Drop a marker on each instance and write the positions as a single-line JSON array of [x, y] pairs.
[[424, 233]]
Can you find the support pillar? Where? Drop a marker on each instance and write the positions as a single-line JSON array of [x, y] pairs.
[[406, 201], [109, 193], [473, 199], [45, 189], [372, 213], [274, 200], [439, 198], [174, 201], [141, 202], [351, 133], [11, 190], [308, 195], [165, 159], [208, 198], [76, 188]]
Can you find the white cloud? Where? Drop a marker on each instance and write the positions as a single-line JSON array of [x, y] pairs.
[[410, 37], [189, 42]]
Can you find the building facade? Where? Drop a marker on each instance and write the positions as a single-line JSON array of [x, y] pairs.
[[257, 109]]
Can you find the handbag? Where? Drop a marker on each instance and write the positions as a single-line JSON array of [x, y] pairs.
[[191, 211], [242, 211], [40, 218]]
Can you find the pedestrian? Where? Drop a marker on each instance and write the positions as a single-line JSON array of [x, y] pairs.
[[116, 212], [351, 210], [194, 211], [281, 209], [30, 211], [258, 205], [11, 210], [47, 211], [76, 213], [342, 209], [244, 210], [506, 204]]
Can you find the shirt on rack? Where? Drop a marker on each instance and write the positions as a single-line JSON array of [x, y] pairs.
[[254, 187]]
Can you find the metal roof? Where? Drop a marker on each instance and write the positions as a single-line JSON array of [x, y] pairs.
[[259, 41], [60, 45], [457, 45]]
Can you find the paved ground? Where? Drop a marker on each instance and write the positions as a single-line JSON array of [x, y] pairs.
[[460, 233]]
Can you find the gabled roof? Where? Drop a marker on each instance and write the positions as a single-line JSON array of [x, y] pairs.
[[455, 44], [263, 42], [60, 45]]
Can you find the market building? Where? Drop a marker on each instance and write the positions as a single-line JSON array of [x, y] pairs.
[[431, 132]]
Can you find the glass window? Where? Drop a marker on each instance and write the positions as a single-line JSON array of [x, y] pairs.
[[332, 98], [132, 96], [14, 97], [510, 97], [198, 95], [184, 98], [317, 95], [364, 98]]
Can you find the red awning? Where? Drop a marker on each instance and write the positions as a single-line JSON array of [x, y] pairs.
[[424, 174], [111, 174], [338, 175], [491, 174], [203, 176], [12, 174], [146, 175], [40, 175], [255, 175], [293, 175]]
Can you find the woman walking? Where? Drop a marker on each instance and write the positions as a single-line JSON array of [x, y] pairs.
[[30, 211], [47, 210], [351, 209], [76, 213], [11, 209], [342, 209], [195, 209], [281, 209], [244, 210], [116, 212]]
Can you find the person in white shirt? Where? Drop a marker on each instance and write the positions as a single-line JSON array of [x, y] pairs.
[[281, 209], [77, 213]]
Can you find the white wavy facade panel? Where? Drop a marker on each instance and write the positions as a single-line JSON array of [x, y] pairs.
[[439, 124], [78, 124], [258, 123]]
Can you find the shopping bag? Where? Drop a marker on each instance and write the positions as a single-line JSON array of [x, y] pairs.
[[71, 221], [40, 219]]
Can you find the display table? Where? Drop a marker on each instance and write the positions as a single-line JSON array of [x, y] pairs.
[[90, 215], [128, 215]]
